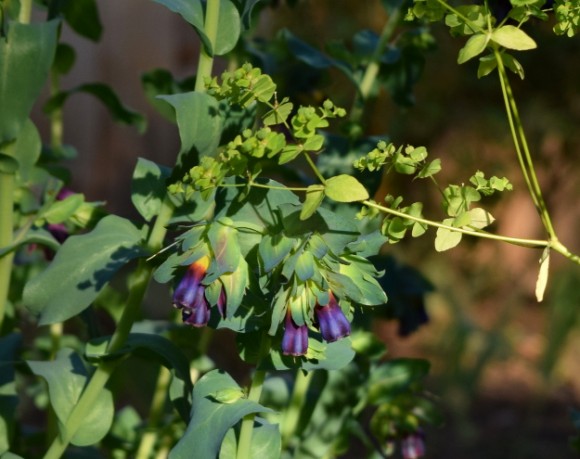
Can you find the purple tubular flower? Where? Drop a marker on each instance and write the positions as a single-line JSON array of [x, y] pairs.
[[413, 446], [189, 295], [332, 321], [295, 339]]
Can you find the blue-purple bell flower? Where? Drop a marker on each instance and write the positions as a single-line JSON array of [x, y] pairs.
[[189, 295], [295, 339], [332, 321]]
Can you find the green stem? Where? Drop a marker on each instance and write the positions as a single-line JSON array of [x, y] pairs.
[[247, 428], [314, 168], [292, 414], [205, 64], [372, 70], [25, 11], [56, 117], [531, 243], [6, 228], [156, 410], [522, 149]]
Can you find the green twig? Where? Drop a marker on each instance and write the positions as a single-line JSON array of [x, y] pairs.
[[531, 243]]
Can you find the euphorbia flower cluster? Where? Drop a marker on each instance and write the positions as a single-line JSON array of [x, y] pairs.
[[330, 319], [189, 295]]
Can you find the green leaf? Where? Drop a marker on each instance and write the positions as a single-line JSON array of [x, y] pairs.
[[148, 187], [192, 12], [67, 377], [266, 442], [542, 281], [224, 243], [314, 197], [305, 267], [82, 267], [61, 211], [8, 165], [511, 37], [107, 97], [64, 59], [26, 149], [229, 395], [202, 137], [235, 285], [210, 419], [26, 54], [273, 249], [362, 273], [430, 169], [345, 188], [513, 64], [474, 47], [480, 218], [394, 376], [278, 114], [33, 236], [83, 17], [229, 28], [487, 64], [446, 239]]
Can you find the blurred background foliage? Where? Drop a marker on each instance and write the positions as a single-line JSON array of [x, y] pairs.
[[506, 369]]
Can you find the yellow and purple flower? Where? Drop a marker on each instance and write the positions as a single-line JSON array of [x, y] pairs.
[[189, 295], [295, 338], [331, 320]]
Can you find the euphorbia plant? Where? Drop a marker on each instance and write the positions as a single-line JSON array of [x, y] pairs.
[[251, 234]]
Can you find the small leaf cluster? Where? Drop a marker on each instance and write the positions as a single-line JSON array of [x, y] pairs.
[[479, 24], [395, 227], [406, 160], [568, 17]]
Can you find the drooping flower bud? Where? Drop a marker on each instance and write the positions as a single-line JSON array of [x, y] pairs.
[[295, 339], [331, 320], [413, 446], [189, 294]]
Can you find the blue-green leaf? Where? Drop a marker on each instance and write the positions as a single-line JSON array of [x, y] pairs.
[[192, 12], [210, 419], [148, 187], [26, 54], [82, 267], [66, 377], [199, 122]]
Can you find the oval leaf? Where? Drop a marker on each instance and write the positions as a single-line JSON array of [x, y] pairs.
[[211, 419], [511, 37], [66, 377], [82, 267], [474, 47], [345, 188]]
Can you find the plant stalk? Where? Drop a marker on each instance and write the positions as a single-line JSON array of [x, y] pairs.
[[6, 228], [292, 414], [205, 64], [247, 428], [522, 149]]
